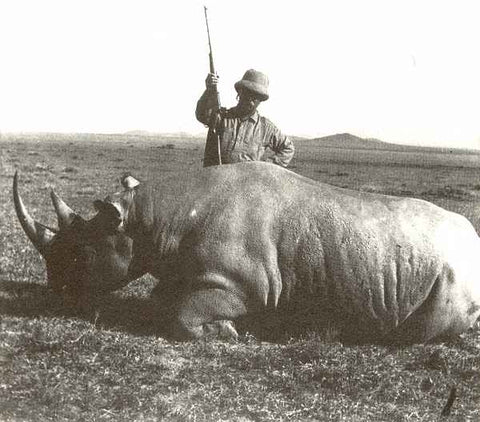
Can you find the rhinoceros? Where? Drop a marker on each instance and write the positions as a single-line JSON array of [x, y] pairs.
[[251, 238]]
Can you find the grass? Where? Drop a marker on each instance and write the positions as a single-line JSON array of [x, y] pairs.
[[56, 366]]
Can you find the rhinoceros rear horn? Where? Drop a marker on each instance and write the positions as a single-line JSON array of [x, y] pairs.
[[38, 234], [65, 214]]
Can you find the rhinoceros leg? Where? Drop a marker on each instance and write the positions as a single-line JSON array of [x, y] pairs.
[[208, 312]]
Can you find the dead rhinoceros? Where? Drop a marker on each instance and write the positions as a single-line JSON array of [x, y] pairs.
[[240, 239]]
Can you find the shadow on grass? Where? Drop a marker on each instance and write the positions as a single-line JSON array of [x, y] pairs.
[[144, 316], [24, 299], [138, 316], [126, 312]]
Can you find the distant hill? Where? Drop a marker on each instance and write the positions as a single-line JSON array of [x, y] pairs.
[[138, 133], [349, 141]]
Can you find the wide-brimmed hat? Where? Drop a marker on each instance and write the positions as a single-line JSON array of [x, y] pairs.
[[254, 81]]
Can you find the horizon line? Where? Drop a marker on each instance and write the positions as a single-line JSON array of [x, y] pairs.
[[199, 135]]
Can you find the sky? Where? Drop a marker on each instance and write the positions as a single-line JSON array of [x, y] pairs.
[[403, 71]]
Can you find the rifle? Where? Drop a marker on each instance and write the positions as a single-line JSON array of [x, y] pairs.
[[213, 140]]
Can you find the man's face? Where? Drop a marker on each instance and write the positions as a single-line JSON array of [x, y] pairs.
[[247, 102]]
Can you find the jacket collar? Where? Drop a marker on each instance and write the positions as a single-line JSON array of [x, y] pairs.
[[254, 117]]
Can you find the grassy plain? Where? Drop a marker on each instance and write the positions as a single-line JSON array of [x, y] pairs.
[[59, 367]]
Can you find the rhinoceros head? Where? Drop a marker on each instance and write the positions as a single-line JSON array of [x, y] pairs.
[[82, 257]]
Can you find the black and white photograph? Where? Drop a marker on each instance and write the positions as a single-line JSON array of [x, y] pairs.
[[239, 211]]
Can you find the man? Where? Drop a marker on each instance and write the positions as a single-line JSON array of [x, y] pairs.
[[243, 134]]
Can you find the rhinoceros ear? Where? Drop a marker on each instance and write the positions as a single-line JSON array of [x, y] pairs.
[[129, 182], [111, 215]]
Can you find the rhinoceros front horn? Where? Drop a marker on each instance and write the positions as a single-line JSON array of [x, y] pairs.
[[65, 214], [38, 234]]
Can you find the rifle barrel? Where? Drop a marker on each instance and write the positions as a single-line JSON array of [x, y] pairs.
[[212, 136], [212, 67]]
